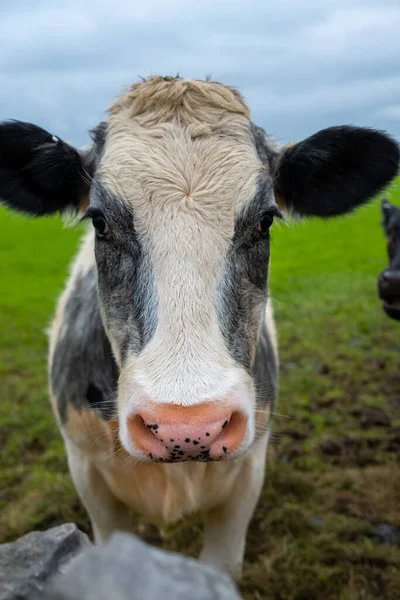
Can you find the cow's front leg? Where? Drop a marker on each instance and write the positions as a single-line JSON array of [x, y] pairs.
[[225, 527], [107, 514]]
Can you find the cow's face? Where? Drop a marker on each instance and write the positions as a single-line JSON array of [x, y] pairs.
[[389, 279], [187, 206], [182, 191]]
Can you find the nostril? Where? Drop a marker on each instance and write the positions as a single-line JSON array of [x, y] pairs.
[[233, 432], [137, 425], [384, 284], [145, 436], [386, 277]]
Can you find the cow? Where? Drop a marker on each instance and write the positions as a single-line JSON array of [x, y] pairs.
[[163, 355], [389, 279]]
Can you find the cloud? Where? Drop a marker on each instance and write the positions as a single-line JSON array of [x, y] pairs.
[[301, 66], [390, 111]]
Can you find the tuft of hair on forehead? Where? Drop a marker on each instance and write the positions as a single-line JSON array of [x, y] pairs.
[[165, 99]]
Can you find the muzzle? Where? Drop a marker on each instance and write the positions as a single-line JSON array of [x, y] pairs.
[[389, 292]]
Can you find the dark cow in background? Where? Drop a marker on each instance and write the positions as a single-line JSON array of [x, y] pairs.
[[163, 355], [389, 279]]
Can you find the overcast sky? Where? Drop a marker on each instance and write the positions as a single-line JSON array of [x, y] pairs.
[[301, 64]]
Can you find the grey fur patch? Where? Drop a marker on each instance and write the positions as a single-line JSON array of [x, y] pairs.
[[265, 370], [242, 297], [230, 313], [126, 284], [83, 371], [242, 292]]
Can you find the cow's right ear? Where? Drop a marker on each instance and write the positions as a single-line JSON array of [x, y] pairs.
[[39, 173]]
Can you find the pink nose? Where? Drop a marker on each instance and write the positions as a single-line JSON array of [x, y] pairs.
[[171, 433]]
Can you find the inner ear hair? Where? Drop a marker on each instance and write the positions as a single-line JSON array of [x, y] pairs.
[[279, 199]]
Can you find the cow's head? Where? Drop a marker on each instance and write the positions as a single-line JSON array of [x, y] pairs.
[[182, 190], [389, 279]]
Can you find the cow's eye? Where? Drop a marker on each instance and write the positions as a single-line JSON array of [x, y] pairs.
[[100, 225], [264, 224]]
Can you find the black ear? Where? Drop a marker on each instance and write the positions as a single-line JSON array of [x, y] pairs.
[[39, 173], [335, 170]]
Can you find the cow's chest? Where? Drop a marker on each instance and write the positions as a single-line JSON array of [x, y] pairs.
[[167, 493]]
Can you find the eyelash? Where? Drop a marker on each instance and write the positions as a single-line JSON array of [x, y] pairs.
[[266, 220], [96, 214]]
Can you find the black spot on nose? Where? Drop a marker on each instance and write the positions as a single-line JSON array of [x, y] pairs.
[[150, 426], [187, 440], [195, 443]]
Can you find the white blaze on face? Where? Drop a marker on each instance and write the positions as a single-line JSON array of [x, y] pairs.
[[187, 360]]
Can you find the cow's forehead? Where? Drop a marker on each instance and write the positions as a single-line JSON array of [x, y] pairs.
[[181, 144]]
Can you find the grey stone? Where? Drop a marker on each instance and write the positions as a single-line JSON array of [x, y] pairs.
[[128, 569], [27, 564]]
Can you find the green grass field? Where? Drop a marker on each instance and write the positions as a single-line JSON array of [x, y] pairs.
[[333, 476]]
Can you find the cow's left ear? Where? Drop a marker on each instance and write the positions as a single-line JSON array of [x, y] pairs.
[[39, 173], [335, 170]]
